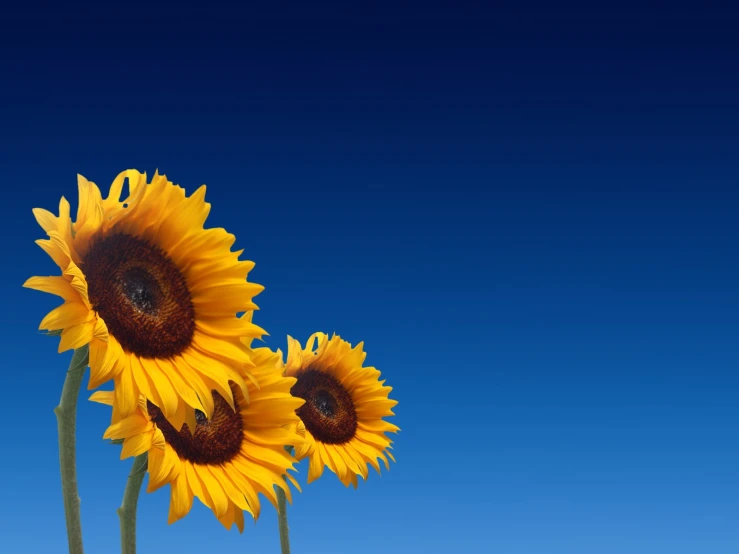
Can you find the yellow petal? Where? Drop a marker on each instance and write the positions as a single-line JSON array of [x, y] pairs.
[[235, 472], [76, 336], [208, 368], [127, 427], [100, 332], [337, 464], [184, 390], [114, 193], [239, 516], [194, 381], [220, 500], [102, 397], [162, 386], [194, 482], [229, 488], [165, 467], [57, 285], [139, 377], [103, 359], [66, 315], [294, 355], [89, 210], [157, 469], [227, 519], [222, 348], [45, 219], [77, 281], [293, 481], [355, 465], [180, 500], [136, 444], [125, 398], [60, 256], [315, 469]]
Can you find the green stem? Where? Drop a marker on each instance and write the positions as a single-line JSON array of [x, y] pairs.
[[127, 511], [282, 521], [282, 515], [66, 416]]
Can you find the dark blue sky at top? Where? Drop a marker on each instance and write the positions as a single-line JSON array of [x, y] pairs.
[[529, 215]]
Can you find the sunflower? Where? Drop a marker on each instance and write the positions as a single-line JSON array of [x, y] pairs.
[[153, 293], [230, 457], [344, 408]]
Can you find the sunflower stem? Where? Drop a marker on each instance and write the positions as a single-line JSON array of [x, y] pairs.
[[282, 521], [127, 511], [66, 417], [282, 515]]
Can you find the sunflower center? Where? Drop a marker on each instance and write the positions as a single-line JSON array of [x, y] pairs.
[[141, 295], [215, 441], [325, 403], [328, 412], [141, 289]]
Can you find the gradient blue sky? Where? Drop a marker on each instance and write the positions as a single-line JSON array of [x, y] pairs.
[[528, 215]]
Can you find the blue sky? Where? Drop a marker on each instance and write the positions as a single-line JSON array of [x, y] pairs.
[[529, 216]]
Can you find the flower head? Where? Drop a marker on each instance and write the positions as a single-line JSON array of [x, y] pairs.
[[153, 293], [224, 460], [344, 408]]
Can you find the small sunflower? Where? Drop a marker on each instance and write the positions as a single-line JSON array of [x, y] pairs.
[[344, 408], [154, 294], [230, 457]]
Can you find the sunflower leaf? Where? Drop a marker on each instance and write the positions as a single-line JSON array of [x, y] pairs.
[[115, 441], [54, 333]]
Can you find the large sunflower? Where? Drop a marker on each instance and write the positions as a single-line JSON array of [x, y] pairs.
[[152, 292], [230, 457], [344, 408]]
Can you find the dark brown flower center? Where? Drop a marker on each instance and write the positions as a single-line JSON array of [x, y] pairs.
[[328, 412], [215, 441], [141, 295]]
